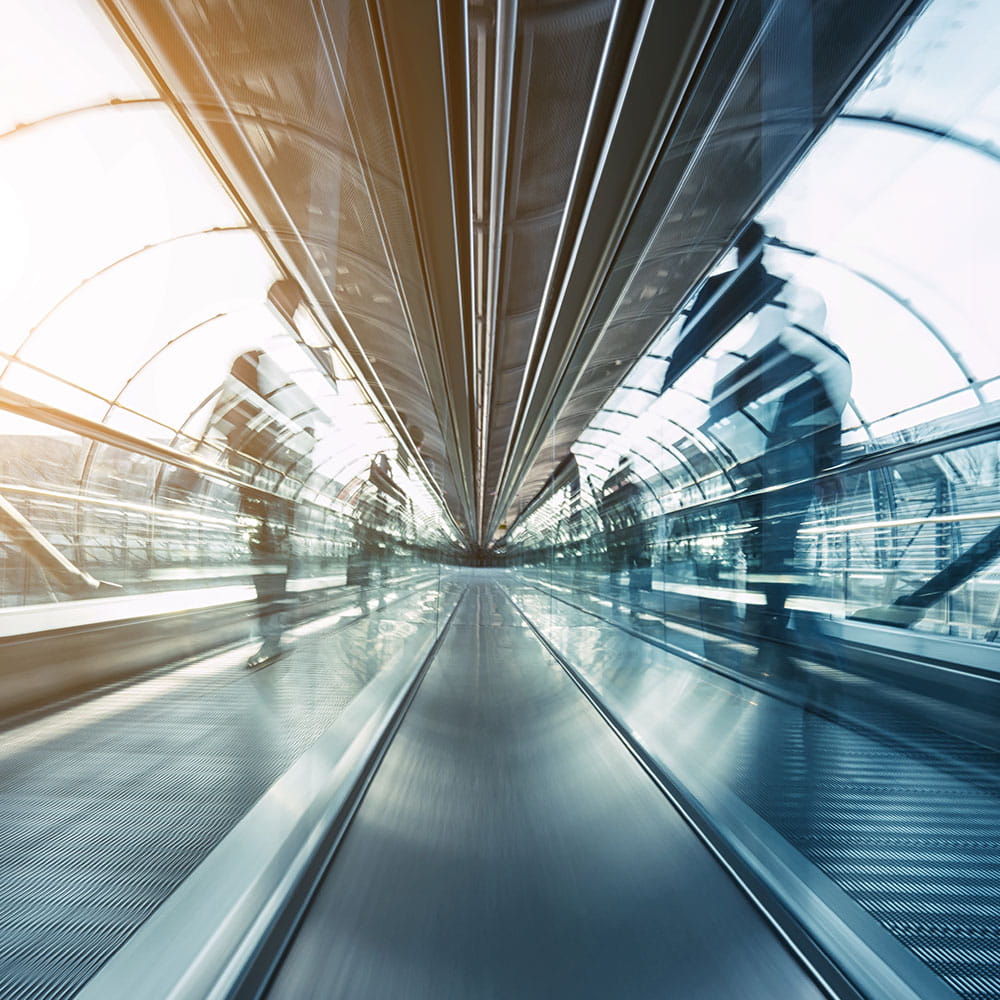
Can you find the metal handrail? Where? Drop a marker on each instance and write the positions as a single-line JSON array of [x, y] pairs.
[[894, 455]]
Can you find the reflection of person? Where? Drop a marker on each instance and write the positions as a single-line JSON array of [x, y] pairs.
[[790, 384], [813, 377], [619, 506], [359, 562], [794, 383], [371, 557], [269, 543]]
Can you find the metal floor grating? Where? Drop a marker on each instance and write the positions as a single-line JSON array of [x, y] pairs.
[[903, 817], [914, 846], [105, 808]]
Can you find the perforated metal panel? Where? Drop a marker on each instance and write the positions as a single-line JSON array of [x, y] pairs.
[[106, 808], [915, 842]]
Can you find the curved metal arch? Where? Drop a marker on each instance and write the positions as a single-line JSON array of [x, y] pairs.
[[906, 305], [291, 472], [180, 432], [320, 140], [84, 475], [695, 435], [108, 267], [116, 402], [260, 464], [721, 446], [113, 404], [594, 518], [692, 435], [115, 102], [321, 491], [224, 451], [643, 479], [14, 360], [630, 450], [924, 129], [678, 456], [663, 475], [281, 440], [19, 129]]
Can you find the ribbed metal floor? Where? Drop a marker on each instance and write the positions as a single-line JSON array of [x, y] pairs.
[[106, 807], [903, 817], [916, 847]]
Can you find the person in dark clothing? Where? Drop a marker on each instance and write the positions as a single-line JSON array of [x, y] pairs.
[[619, 505], [796, 381], [790, 383], [803, 445], [775, 409], [268, 538]]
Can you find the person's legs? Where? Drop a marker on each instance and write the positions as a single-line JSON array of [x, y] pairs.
[[782, 514], [777, 564], [270, 608]]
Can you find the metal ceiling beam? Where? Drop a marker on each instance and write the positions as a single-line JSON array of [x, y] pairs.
[[668, 43], [161, 40], [702, 191], [425, 93], [444, 94]]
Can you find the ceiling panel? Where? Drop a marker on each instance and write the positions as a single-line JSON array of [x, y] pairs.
[[495, 206]]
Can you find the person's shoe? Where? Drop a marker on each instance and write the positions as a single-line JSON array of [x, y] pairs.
[[268, 653]]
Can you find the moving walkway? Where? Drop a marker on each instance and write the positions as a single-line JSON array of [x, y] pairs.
[[487, 791]]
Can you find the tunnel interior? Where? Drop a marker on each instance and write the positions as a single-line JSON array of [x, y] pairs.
[[473, 444]]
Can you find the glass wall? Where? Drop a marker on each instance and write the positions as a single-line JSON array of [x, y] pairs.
[[158, 371], [815, 432]]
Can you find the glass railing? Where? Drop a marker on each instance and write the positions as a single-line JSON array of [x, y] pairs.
[[906, 538]]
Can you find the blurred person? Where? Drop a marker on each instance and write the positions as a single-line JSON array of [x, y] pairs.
[[808, 380], [359, 566], [268, 539], [799, 381], [619, 506], [371, 559], [258, 447], [792, 383]]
